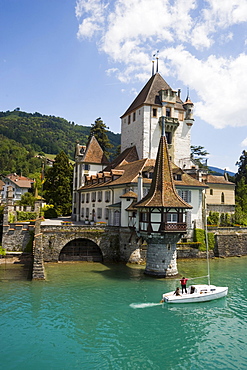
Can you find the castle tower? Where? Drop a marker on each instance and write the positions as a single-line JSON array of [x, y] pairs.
[[89, 160], [161, 215], [141, 123]]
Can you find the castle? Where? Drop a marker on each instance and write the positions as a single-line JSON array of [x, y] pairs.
[[140, 204], [105, 192]]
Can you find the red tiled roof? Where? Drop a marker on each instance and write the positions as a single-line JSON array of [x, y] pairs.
[[150, 94], [212, 179], [128, 155], [94, 153], [162, 192], [129, 194], [20, 181]]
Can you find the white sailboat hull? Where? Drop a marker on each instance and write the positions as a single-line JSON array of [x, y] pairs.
[[202, 293]]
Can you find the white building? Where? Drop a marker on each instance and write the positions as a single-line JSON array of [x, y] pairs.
[[141, 123], [20, 185], [108, 193], [89, 159]]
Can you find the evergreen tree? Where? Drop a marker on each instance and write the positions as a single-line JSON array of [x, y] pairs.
[[58, 184], [198, 154], [241, 194], [99, 131], [242, 167]]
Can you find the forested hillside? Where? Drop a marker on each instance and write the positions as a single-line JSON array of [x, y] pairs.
[[22, 134]]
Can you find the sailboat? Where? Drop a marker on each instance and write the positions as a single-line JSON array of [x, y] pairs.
[[198, 293]]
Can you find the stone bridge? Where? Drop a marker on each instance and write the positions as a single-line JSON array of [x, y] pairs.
[[55, 239], [53, 243]]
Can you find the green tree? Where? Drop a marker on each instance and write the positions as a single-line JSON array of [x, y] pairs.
[[58, 184], [99, 131], [241, 194], [198, 154], [27, 199], [242, 167]]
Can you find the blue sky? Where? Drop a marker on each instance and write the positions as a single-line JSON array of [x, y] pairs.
[[83, 59]]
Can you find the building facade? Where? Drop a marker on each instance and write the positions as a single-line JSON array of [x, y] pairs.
[[107, 192]]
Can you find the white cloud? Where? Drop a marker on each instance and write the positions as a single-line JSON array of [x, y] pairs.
[[244, 142], [220, 84], [128, 31]]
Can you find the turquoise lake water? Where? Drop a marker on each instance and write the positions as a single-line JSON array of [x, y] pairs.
[[95, 316]]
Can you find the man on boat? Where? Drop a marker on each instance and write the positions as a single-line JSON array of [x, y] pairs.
[[183, 282], [177, 291]]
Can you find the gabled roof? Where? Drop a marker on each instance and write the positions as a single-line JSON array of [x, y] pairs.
[[213, 179], [128, 155], [186, 180], [1, 185], [162, 192], [20, 181], [150, 94], [129, 194], [94, 153]]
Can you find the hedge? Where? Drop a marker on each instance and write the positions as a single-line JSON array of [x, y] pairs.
[[199, 236]]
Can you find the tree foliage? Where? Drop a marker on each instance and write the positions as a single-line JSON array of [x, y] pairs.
[[58, 184], [16, 158], [24, 134], [198, 154], [241, 185], [99, 131], [27, 199]]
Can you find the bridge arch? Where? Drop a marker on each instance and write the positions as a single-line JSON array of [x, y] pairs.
[[81, 249]]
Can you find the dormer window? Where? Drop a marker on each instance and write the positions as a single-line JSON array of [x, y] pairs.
[[177, 177]]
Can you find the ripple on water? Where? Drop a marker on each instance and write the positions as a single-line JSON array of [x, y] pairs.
[[88, 316]]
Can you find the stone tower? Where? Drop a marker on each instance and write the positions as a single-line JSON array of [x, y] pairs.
[[161, 216], [141, 123]]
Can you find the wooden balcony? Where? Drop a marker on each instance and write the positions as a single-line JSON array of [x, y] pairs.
[[158, 228]]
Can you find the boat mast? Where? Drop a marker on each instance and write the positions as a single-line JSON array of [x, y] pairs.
[[206, 240]]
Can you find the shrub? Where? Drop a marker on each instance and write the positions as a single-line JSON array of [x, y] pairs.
[[25, 216], [199, 236], [211, 241], [50, 213], [11, 218], [213, 218], [2, 251]]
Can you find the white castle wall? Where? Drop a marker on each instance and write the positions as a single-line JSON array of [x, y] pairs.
[[182, 142]]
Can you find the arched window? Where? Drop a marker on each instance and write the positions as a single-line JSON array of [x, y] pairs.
[[222, 198]]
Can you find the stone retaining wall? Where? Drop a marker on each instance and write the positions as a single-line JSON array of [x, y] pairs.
[[16, 236], [230, 245]]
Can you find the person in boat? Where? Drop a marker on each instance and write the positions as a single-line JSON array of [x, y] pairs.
[[183, 282], [192, 290], [177, 291]]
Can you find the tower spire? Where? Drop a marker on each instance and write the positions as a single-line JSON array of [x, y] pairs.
[[157, 61]]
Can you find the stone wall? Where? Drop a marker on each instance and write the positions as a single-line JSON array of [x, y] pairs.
[[17, 236], [229, 245], [188, 252], [54, 238]]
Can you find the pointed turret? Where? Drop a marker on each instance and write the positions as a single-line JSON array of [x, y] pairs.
[[162, 209], [188, 106]]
